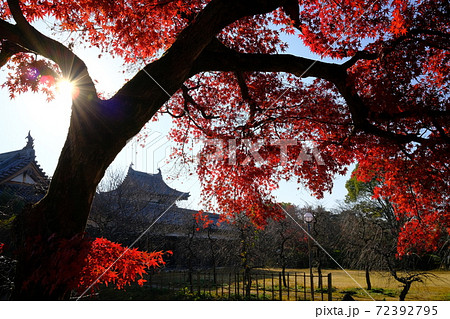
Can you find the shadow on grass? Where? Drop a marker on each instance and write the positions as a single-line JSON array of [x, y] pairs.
[[146, 293], [376, 293]]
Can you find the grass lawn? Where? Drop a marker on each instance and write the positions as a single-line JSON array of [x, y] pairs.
[[384, 287]]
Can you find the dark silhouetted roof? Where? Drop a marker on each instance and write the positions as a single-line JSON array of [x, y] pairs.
[[23, 161], [28, 193], [152, 184], [12, 162]]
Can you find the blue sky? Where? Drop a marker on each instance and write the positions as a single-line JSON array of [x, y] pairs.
[[49, 122]]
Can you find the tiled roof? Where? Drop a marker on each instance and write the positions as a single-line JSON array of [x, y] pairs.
[[153, 184], [168, 214], [28, 193], [12, 162], [160, 213], [137, 199]]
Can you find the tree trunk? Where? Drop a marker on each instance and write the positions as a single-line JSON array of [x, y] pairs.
[[90, 147], [405, 290], [283, 273], [247, 282], [319, 273], [369, 284], [283, 260]]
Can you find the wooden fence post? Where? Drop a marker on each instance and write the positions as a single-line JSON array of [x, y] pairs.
[[304, 286], [198, 283], [295, 286], [273, 295], [330, 288], [257, 287], [229, 286], [264, 286], [288, 286], [236, 284], [280, 286], [321, 286], [222, 282]]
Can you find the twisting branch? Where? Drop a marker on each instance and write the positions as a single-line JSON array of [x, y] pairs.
[[444, 39], [254, 108], [175, 115], [25, 36], [360, 55], [7, 50], [443, 43], [142, 97], [220, 58], [185, 91]]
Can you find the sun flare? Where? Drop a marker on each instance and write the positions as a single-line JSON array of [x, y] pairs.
[[66, 89]]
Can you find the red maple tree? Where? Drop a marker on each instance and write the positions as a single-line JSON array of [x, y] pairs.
[[218, 67], [80, 264]]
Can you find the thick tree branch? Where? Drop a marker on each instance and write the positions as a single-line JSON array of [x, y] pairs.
[[254, 108], [361, 118], [7, 50], [360, 55], [217, 57], [141, 97], [26, 36], [221, 58]]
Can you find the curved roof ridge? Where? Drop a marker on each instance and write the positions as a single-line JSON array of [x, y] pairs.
[[11, 162], [153, 183]]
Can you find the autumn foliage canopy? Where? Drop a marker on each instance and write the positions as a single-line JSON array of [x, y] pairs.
[[375, 93]]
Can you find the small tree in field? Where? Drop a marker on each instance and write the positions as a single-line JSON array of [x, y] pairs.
[[282, 239], [359, 239], [218, 67], [370, 232]]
